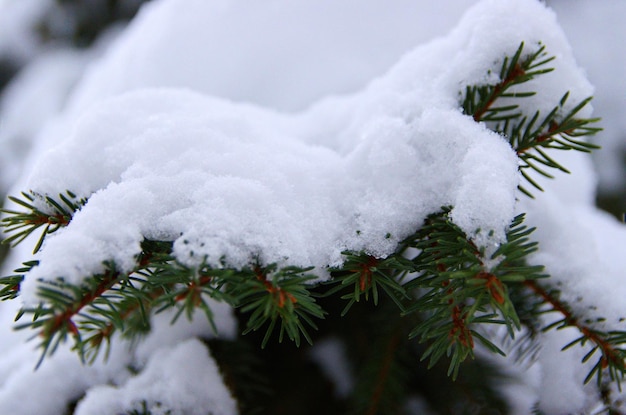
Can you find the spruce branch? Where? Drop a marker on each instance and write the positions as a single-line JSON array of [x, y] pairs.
[[91, 312], [54, 318], [531, 136], [609, 344], [480, 100], [11, 284], [189, 288], [270, 294], [21, 224], [458, 290], [364, 275]]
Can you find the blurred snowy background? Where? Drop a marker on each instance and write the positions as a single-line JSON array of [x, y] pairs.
[[46, 46]]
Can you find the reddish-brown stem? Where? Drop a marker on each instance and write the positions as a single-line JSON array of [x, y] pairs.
[[280, 296], [383, 374], [554, 127], [65, 318], [110, 328], [493, 285], [365, 273], [498, 89], [459, 330], [57, 219], [608, 351], [194, 289]]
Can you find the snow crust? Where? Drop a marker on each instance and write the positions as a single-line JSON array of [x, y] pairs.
[[235, 182]]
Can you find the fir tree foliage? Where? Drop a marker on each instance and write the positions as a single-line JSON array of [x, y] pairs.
[[460, 291], [442, 287], [54, 215], [530, 135]]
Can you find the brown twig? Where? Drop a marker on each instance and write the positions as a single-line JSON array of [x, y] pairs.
[[498, 89], [609, 354]]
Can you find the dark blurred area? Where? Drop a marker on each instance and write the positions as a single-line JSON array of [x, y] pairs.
[[74, 23], [81, 21]]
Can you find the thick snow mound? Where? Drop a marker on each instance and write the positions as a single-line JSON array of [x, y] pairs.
[[238, 183]]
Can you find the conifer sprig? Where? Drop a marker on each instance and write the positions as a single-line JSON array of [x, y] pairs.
[[531, 136], [480, 100], [609, 346], [11, 284], [123, 302], [272, 295], [364, 275], [55, 319], [112, 302], [459, 288], [21, 224]]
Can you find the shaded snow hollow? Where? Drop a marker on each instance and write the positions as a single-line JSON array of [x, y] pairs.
[[237, 182]]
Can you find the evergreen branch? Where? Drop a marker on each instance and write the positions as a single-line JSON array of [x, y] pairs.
[[553, 132], [158, 283], [98, 307], [188, 288], [459, 289], [270, 294], [114, 301], [129, 315], [11, 284], [21, 224], [612, 359], [479, 100], [366, 274], [128, 306], [529, 136], [55, 322]]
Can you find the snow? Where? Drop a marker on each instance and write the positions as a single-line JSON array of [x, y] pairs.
[[280, 54], [184, 377], [39, 90], [331, 355], [242, 183], [288, 132], [600, 50], [62, 378], [19, 41]]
